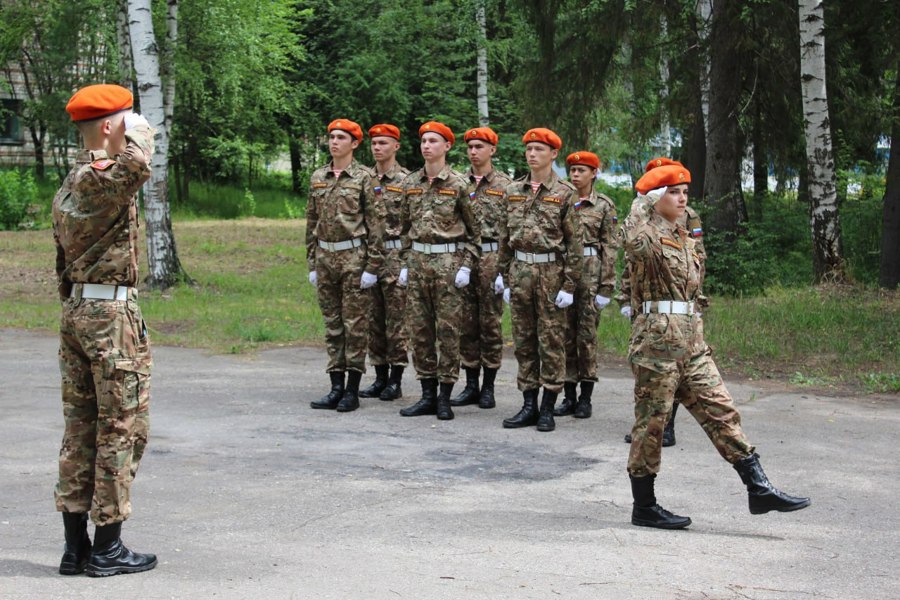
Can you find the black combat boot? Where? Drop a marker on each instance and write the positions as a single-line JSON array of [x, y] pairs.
[[381, 381], [350, 400], [111, 557], [526, 417], [668, 438], [444, 412], [331, 400], [78, 544], [545, 418], [583, 409], [763, 495], [470, 393], [486, 399], [393, 391], [567, 406], [646, 512], [428, 404]]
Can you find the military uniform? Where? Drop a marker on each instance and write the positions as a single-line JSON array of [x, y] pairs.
[[344, 237], [440, 235]]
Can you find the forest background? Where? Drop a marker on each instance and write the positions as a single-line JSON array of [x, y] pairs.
[[249, 86]]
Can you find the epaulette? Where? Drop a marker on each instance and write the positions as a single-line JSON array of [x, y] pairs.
[[568, 184]]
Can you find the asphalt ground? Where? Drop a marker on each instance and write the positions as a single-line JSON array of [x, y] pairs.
[[245, 492]]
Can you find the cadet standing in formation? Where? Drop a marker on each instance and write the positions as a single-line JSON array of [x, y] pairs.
[[541, 256], [667, 351], [692, 224], [345, 252], [597, 216], [481, 338], [104, 351], [387, 327], [441, 244]]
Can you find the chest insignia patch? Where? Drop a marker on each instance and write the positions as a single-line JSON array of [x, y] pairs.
[[517, 198], [319, 185], [103, 164], [552, 199], [414, 191], [392, 188], [670, 242], [446, 192], [493, 193]]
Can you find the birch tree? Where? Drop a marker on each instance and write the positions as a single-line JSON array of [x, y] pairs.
[[823, 207], [482, 65], [162, 255], [890, 219]]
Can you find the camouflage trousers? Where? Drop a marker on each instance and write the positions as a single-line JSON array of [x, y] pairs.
[[582, 319], [433, 312], [104, 359], [344, 307], [538, 326], [387, 323], [700, 389], [481, 336]]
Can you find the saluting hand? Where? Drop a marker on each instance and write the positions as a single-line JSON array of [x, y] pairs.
[[133, 119]]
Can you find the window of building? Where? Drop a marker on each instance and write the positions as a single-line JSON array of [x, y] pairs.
[[10, 124]]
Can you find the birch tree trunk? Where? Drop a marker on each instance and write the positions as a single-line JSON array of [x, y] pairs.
[[126, 63], [665, 132], [704, 12], [890, 217], [168, 65], [823, 207], [482, 65], [162, 255]]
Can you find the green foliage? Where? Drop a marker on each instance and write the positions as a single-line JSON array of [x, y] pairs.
[[18, 192], [223, 201]]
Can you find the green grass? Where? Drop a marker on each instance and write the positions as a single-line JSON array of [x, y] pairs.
[[251, 292]]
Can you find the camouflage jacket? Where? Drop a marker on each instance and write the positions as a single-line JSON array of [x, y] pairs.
[[541, 223], [438, 213], [345, 208], [389, 185], [486, 197], [599, 225], [95, 218]]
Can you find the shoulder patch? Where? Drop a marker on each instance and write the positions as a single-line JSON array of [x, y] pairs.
[[102, 164], [319, 185], [670, 242]]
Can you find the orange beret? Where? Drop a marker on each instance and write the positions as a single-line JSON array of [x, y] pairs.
[[544, 136], [660, 162], [665, 175], [384, 129], [485, 134], [96, 101], [588, 159], [346, 125], [438, 128]]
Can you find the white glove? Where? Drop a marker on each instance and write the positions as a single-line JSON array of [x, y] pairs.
[[313, 279], [498, 284], [367, 280], [133, 119], [506, 295], [626, 311], [564, 299], [462, 277], [601, 301], [403, 279]]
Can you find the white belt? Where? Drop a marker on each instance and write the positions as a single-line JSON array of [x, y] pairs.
[[99, 291], [490, 246], [392, 244], [672, 307], [338, 246], [434, 248], [590, 251], [535, 258]]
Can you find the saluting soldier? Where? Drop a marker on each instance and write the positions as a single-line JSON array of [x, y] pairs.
[[694, 227], [541, 255], [481, 338], [104, 349], [344, 254], [667, 351], [597, 215], [441, 243], [387, 331]]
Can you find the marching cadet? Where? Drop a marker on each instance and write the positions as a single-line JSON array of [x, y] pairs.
[[540, 257], [597, 215], [692, 224], [387, 331], [441, 244], [104, 350], [667, 351], [344, 254], [481, 338]]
